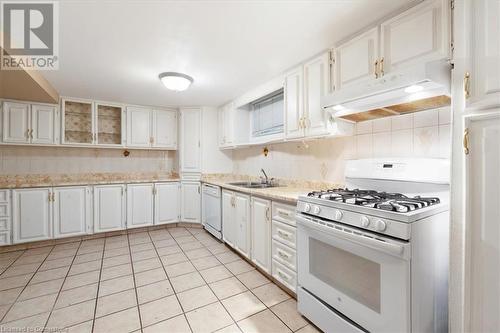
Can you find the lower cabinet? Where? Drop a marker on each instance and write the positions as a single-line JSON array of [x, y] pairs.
[[31, 215], [5, 217], [167, 203], [191, 202], [72, 211], [228, 225], [140, 204], [261, 233], [109, 208], [236, 221]]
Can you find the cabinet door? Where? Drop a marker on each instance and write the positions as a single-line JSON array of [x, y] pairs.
[[109, 208], [191, 202], [316, 81], [72, 211], [229, 124], [483, 227], [190, 154], [355, 59], [221, 127], [242, 223], [167, 203], [261, 233], [32, 215], [294, 104], [43, 118], [138, 127], [228, 215], [418, 35], [139, 205], [16, 122], [165, 129]]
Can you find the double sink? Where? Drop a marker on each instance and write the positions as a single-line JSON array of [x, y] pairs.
[[254, 184]]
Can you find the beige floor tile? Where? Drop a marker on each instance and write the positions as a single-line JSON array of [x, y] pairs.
[[56, 263], [209, 318], [40, 289], [142, 247], [191, 246], [50, 274], [175, 258], [117, 260], [62, 254], [184, 239], [112, 286], [218, 248], [159, 310], [270, 294], [204, 263], [198, 253], [154, 291], [215, 274], [179, 269], [252, 279], [163, 251], [79, 259], [116, 302], [9, 296], [85, 327], [263, 322], [196, 298], [287, 312], [85, 267], [229, 329], [227, 288], [72, 315], [29, 324], [309, 329], [20, 270], [143, 255], [15, 281], [120, 322], [147, 277], [30, 307], [116, 245], [243, 305], [175, 325], [146, 265], [36, 259], [4, 309], [227, 257], [81, 280], [239, 266], [116, 252], [116, 271], [187, 281], [76, 295]]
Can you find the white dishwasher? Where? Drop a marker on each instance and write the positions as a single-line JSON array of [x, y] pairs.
[[211, 205]]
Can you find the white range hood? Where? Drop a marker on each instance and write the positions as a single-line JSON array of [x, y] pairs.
[[416, 88]]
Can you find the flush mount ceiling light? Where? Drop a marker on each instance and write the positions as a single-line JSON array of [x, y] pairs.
[[338, 107], [175, 81], [413, 89]]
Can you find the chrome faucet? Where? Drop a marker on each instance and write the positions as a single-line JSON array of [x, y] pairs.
[[265, 176]]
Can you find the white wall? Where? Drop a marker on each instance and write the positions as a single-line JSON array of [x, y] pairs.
[[422, 134], [42, 160]]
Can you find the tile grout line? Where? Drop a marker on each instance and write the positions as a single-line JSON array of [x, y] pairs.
[[98, 285], [135, 285]]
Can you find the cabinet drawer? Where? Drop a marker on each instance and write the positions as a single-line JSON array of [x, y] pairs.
[[4, 223], [284, 213], [285, 275], [4, 210], [4, 196], [284, 255], [4, 238], [285, 234]]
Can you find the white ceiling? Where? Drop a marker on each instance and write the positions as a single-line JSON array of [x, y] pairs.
[[114, 50]]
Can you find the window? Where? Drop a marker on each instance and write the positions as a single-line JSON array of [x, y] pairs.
[[267, 115]]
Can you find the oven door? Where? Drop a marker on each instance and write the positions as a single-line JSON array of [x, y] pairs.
[[364, 276]]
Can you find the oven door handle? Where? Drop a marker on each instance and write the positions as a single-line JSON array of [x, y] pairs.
[[385, 246]]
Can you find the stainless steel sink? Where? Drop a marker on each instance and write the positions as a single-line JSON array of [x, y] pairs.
[[253, 184]]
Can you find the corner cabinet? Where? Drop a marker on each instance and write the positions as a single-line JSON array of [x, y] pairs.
[[109, 208], [191, 202], [190, 140], [31, 215], [261, 233]]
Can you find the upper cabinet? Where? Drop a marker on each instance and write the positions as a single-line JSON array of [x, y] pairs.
[[190, 152], [165, 129], [294, 104], [226, 125], [151, 128], [110, 124], [78, 122], [139, 127]]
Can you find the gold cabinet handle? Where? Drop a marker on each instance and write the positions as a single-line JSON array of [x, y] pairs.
[[381, 71], [28, 133], [467, 85], [466, 141], [283, 254], [376, 69]]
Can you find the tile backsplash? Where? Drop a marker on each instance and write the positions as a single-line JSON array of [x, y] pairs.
[[54, 160], [422, 134]]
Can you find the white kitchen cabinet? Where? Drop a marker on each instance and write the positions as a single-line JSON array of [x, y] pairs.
[[109, 208], [164, 125], [221, 127], [316, 85], [72, 211], [356, 60], [167, 203], [16, 122], [43, 124], [228, 223], [294, 103], [191, 202], [242, 223], [482, 229], [5, 217], [31, 215], [227, 114], [140, 205], [261, 233], [190, 152], [138, 127], [417, 35]]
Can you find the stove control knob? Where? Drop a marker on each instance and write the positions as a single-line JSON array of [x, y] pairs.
[[307, 208], [316, 210], [338, 215], [365, 221], [380, 225]]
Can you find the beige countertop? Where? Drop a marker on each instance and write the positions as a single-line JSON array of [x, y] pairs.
[[49, 180]]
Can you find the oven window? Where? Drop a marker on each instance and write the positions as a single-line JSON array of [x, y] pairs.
[[355, 276]]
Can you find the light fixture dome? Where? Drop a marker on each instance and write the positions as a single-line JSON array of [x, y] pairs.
[[175, 81]]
